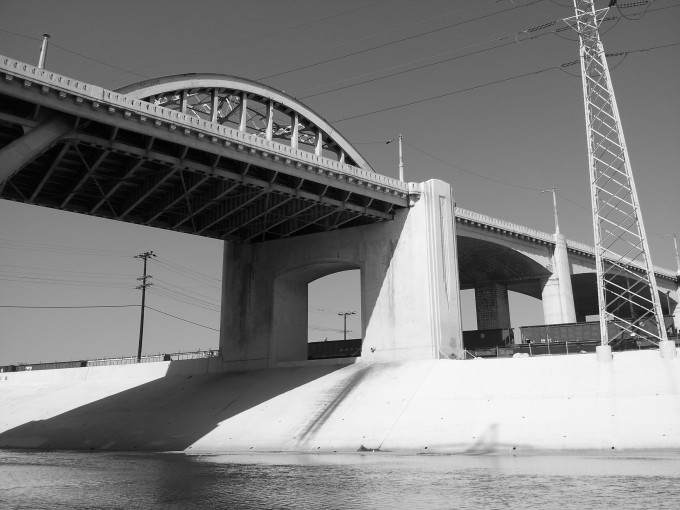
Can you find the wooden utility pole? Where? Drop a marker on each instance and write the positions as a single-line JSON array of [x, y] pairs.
[[143, 286]]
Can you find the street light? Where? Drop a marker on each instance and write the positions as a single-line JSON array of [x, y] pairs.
[[401, 157], [557, 224], [677, 256], [344, 329]]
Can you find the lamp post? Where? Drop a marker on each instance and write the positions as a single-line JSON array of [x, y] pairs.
[[677, 256], [401, 156], [557, 223], [345, 314]]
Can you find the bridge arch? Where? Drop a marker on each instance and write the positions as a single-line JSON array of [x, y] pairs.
[[250, 107], [288, 341]]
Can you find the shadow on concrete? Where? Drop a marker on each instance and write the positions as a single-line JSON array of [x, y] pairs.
[[167, 414]]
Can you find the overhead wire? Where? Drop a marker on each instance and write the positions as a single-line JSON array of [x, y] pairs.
[[373, 35], [482, 85], [181, 319], [261, 36], [469, 171], [447, 94], [383, 45], [13, 244], [189, 273]]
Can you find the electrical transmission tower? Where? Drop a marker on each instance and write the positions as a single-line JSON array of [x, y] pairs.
[[626, 286]]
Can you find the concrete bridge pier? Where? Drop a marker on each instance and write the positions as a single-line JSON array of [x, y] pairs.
[[557, 294], [492, 306], [409, 286]]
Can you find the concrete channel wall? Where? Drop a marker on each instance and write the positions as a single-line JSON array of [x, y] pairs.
[[431, 406]]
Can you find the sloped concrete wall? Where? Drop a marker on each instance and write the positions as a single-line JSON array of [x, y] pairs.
[[436, 406]]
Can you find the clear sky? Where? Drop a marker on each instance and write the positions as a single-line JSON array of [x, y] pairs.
[[498, 124]]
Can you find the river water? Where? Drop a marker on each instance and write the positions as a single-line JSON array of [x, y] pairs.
[[112, 480]]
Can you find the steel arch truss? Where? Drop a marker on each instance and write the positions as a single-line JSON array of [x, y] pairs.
[[117, 156], [249, 107]]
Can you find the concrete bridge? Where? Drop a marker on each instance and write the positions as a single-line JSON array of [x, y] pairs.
[[231, 159]]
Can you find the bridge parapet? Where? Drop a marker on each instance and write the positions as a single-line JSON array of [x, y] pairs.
[[504, 227], [533, 235], [99, 98]]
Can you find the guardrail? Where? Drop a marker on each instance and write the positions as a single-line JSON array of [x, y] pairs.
[[102, 362]]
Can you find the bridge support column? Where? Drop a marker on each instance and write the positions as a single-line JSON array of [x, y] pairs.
[[409, 287], [557, 295], [492, 306], [22, 151], [676, 311]]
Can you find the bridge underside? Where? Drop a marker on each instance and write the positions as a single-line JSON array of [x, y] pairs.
[[106, 171]]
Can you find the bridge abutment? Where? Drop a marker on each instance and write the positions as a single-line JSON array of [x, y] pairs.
[[409, 287]]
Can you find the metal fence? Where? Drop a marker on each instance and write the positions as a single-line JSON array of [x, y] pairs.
[[102, 362]]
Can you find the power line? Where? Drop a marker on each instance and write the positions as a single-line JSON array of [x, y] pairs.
[[261, 36], [482, 85], [373, 35], [181, 319], [459, 91], [13, 244], [366, 50], [469, 171]]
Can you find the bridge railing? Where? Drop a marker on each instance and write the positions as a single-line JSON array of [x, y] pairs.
[[147, 112]]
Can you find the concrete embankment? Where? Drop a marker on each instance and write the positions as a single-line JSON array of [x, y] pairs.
[[493, 405]]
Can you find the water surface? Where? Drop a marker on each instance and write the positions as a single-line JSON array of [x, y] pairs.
[[114, 480]]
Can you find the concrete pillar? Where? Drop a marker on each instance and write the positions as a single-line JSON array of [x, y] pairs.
[[676, 312], [409, 287], [22, 151], [493, 306], [557, 294]]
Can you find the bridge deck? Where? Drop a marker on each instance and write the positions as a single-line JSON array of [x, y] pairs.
[[94, 151]]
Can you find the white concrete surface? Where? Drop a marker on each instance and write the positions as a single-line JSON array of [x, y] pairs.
[[438, 406]]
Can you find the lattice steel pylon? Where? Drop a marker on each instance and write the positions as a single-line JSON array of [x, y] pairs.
[[626, 285]]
